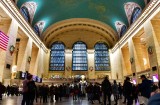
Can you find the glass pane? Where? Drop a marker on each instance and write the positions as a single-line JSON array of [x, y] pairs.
[[136, 12], [36, 29], [25, 13], [101, 57], [79, 56], [57, 57]]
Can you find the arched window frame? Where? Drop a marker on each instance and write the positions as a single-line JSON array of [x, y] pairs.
[[129, 8], [102, 61], [25, 13], [79, 57], [136, 13], [57, 52], [38, 27], [31, 7]]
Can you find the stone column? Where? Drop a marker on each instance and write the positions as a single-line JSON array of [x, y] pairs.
[[34, 63], [116, 65], [12, 32], [5, 26], [25, 48], [91, 66], [126, 65], [68, 63], [153, 29]]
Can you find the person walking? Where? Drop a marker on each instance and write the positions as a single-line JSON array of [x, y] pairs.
[[25, 93], [32, 89], [115, 91], [128, 91], [106, 90]]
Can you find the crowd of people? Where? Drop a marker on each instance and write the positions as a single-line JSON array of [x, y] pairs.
[[104, 92]]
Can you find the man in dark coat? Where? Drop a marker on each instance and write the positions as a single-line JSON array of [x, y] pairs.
[[145, 89], [128, 91], [107, 90], [31, 90], [25, 99]]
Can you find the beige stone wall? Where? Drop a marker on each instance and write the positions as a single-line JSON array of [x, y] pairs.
[[44, 63], [151, 41], [34, 61], [116, 65], [91, 73], [126, 65], [12, 33], [68, 63], [137, 48]]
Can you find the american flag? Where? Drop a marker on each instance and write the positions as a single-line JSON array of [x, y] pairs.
[[3, 40]]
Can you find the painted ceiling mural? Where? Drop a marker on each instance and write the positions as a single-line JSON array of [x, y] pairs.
[[121, 28], [106, 11]]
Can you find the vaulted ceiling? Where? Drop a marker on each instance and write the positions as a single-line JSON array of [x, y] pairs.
[[53, 12]]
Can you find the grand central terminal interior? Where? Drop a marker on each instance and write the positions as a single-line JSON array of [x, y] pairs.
[[63, 41]]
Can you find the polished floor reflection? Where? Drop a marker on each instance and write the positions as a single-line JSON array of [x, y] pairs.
[[17, 101]]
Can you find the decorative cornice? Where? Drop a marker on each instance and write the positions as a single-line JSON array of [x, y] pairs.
[[90, 51], [14, 12], [80, 24], [147, 13], [68, 51]]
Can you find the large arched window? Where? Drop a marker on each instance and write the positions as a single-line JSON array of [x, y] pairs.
[[101, 57], [25, 13], [30, 8], [57, 57], [123, 30], [79, 56], [132, 10], [36, 30], [135, 14]]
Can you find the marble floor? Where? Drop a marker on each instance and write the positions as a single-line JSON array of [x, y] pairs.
[[14, 100]]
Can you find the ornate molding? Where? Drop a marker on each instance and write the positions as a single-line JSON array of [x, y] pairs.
[[151, 9], [11, 8], [82, 25]]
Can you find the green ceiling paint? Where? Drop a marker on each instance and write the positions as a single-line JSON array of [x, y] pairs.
[[107, 11]]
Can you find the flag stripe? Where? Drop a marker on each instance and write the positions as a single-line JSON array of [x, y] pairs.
[[3, 40], [5, 36], [2, 48], [3, 45], [1, 33]]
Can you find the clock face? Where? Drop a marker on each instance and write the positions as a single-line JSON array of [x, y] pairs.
[[91, 68]]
